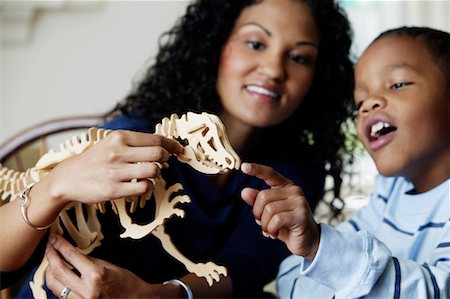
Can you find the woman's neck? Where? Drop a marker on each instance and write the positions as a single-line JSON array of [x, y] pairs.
[[241, 137], [240, 134]]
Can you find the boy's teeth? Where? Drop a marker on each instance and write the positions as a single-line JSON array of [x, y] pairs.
[[261, 90], [377, 127]]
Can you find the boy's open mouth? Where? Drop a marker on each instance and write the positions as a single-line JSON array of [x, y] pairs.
[[379, 129]]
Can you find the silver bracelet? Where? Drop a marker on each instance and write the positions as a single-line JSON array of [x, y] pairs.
[[182, 284], [26, 200]]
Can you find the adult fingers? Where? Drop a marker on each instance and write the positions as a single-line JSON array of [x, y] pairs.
[[59, 271], [129, 171], [266, 173], [69, 253], [57, 288], [138, 139], [125, 189], [132, 154]]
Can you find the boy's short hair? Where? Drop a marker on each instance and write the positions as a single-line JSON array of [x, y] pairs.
[[437, 43]]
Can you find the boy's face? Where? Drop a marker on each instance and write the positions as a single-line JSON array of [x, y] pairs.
[[403, 107]]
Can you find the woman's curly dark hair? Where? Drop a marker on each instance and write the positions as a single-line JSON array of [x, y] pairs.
[[184, 74]]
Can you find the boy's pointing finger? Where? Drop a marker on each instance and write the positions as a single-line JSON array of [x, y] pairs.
[[266, 173]]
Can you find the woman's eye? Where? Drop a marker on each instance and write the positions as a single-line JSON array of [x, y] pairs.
[[255, 45], [399, 85], [299, 58]]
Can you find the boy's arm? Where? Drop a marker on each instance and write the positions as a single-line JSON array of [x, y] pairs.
[[290, 284], [362, 266], [353, 264]]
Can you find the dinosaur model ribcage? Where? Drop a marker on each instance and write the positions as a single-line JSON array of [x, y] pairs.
[[206, 149]]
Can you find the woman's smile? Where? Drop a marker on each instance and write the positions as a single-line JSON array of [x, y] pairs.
[[263, 94]]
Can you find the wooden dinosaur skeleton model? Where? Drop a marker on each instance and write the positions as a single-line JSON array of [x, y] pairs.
[[206, 149]]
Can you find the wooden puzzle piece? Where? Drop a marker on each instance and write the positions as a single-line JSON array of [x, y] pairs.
[[163, 211], [36, 285], [209, 270], [206, 146], [206, 149]]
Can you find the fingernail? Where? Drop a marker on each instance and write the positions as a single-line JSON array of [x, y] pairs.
[[246, 167], [52, 239], [258, 222], [265, 234]]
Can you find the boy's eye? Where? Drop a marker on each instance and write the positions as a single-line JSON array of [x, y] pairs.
[[255, 45], [399, 85], [358, 105]]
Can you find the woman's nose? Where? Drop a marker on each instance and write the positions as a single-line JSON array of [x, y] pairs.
[[372, 103], [273, 67]]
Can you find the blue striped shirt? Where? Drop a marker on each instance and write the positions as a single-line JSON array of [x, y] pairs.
[[398, 246]]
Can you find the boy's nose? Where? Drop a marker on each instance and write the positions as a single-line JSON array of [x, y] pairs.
[[372, 103]]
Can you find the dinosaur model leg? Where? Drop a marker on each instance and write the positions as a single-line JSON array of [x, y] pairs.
[[210, 271]]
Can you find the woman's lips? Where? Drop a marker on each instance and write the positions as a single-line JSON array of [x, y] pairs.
[[262, 94]]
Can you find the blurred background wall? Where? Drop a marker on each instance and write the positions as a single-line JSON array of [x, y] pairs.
[[66, 57], [369, 18]]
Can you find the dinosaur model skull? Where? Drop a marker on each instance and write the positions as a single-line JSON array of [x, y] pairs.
[[207, 148]]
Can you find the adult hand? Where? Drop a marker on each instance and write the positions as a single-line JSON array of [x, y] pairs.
[[115, 167], [98, 278], [282, 211], [109, 169]]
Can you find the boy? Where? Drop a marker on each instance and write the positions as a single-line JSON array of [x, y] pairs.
[[398, 246]]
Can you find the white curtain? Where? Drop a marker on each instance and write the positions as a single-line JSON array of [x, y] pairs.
[[370, 18]]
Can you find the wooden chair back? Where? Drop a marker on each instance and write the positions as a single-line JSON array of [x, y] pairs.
[[23, 149]]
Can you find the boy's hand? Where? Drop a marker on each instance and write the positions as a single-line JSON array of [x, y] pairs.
[[282, 211]]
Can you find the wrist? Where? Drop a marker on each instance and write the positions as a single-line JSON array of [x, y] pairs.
[[46, 200], [34, 210], [55, 196], [314, 247], [181, 288]]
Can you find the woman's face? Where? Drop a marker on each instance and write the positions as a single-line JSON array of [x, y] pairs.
[[267, 64]]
